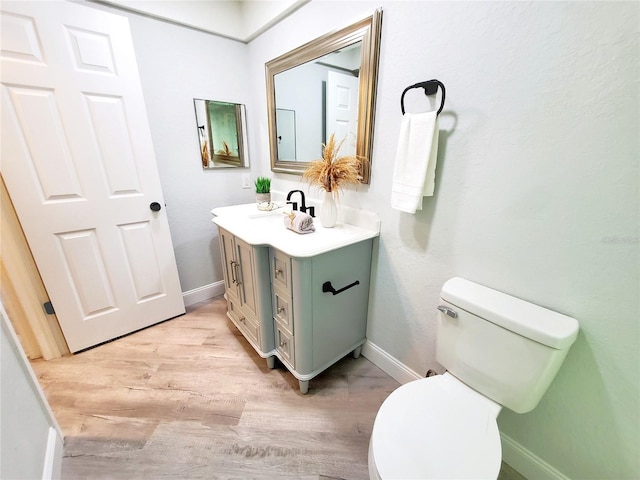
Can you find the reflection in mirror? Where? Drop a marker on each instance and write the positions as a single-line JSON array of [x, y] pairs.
[[221, 127], [325, 92], [329, 86], [286, 128]]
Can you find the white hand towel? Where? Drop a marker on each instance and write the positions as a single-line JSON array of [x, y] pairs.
[[299, 222], [415, 169]]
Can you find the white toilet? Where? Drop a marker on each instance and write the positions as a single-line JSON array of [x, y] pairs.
[[498, 351]]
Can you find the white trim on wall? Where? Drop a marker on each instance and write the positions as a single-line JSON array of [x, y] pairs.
[[388, 364], [203, 293], [526, 463], [52, 469]]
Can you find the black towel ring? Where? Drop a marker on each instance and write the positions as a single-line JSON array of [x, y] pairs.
[[430, 88]]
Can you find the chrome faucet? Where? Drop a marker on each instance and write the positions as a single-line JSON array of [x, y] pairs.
[[303, 207]]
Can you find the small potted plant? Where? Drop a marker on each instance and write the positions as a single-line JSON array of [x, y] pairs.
[[263, 190]]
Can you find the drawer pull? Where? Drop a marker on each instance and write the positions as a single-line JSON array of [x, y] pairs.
[[328, 288], [234, 280], [237, 273], [283, 343], [278, 272], [281, 310]]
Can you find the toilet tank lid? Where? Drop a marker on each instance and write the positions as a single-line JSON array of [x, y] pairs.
[[532, 321]]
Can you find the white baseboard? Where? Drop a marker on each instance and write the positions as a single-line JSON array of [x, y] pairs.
[[388, 364], [526, 463], [518, 457], [52, 469], [203, 293]]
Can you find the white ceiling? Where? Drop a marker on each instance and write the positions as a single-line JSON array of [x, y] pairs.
[[241, 20]]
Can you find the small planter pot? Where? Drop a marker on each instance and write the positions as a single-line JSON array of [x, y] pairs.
[[263, 197]]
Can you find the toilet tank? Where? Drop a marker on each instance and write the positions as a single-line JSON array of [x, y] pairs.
[[503, 347]]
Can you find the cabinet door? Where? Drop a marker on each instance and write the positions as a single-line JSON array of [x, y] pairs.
[[228, 259], [246, 276]]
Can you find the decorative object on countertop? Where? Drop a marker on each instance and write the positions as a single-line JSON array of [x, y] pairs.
[[328, 210], [268, 206], [303, 206], [417, 153], [299, 222], [263, 190], [331, 173]]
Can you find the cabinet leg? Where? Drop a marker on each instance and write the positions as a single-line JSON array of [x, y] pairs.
[[357, 351], [271, 362], [304, 386]]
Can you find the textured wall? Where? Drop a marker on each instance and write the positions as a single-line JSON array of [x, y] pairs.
[[536, 194]]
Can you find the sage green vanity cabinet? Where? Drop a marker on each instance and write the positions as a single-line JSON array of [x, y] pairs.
[[300, 298], [246, 271], [313, 328]]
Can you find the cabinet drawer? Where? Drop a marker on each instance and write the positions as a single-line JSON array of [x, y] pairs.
[[282, 311], [233, 307], [280, 271], [247, 326], [284, 345], [250, 329]]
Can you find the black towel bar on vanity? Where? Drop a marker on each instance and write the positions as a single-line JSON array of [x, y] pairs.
[[328, 288], [430, 88]]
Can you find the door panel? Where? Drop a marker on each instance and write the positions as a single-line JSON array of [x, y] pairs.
[[247, 292], [109, 127], [84, 264], [79, 166], [43, 141], [142, 260], [229, 258], [342, 110]]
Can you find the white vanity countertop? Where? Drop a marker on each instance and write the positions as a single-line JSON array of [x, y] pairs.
[[267, 228]]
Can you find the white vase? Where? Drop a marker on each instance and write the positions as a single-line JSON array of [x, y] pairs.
[[328, 211]]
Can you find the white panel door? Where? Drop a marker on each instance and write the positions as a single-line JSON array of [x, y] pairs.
[[79, 165], [342, 110]]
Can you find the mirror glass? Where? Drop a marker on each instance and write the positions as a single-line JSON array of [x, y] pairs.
[[221, 127], [324, 87]]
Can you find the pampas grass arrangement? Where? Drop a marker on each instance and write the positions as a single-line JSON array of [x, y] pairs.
[[331, 172], [225, 150]]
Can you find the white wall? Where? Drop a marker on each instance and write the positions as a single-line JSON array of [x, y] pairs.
[[536, 194], [30, 438]]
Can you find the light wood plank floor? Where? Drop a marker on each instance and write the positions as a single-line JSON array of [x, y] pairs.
[[190, 398]]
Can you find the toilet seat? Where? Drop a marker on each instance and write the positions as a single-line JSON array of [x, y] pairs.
[[435, 427]]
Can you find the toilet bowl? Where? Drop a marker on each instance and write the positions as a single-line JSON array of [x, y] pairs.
[[435, 427], [498, 351]]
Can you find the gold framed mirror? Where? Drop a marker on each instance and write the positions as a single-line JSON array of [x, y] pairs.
[[330, 86]]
